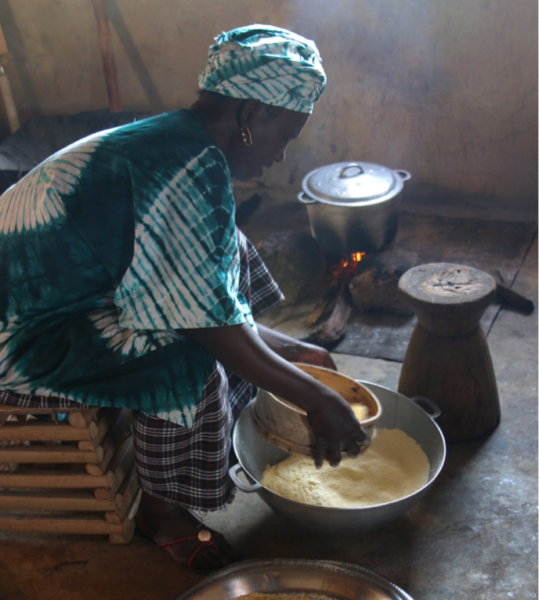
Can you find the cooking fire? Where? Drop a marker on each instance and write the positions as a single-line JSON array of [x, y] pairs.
[[335, 270]]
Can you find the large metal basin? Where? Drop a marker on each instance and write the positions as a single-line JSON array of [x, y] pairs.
[[329, 578], [255, 454]]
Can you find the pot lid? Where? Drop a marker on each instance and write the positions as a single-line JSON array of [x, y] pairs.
[[352, 182]]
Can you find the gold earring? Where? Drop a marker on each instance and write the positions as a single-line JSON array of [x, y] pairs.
[[246, 136]]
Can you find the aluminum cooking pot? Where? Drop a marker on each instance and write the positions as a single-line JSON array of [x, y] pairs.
[[353, 206], [255, 454]]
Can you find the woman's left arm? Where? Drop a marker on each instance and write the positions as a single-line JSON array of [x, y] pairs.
[[295, 351]]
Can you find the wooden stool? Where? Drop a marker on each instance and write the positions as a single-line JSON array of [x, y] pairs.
[[75, 476], [447, 358]]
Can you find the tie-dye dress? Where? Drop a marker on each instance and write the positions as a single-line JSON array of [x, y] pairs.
[[108, 249]]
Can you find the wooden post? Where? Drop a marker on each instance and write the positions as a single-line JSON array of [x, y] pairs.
[[52, 480], [127, 491], [17, 410], [89, 447], [123, 460], [54, 500], [118, 469], [128, 509], [5, 88], [82, 418], [46, 454], [42, 431], [107, 55], [104, 420], [128, 531], [111, 442], [81, 524]]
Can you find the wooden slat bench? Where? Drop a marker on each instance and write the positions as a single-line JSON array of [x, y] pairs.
[[68, 476]]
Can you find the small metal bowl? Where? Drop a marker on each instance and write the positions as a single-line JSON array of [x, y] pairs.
[[286, 426], [324, 577]]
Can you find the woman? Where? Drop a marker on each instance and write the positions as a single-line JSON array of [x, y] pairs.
[[124, 282]]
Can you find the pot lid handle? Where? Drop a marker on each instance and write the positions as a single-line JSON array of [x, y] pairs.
[[302, 197], [404, 174], [344, 175]]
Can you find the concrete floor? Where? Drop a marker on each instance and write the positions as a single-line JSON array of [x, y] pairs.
[[474, 535]]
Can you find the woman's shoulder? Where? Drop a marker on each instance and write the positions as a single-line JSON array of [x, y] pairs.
[[177, 137]]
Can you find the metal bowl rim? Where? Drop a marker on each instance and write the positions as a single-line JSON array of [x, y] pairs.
[[245, 565], [296, 409], [420, 491], [383, 387]]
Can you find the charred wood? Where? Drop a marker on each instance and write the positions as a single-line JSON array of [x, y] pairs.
[[328, 299], [333, 330], [374, 285]]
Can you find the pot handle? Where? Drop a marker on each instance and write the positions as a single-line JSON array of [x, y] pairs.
[[343, 175], [433, 410], [302, 197], [404, 174], [244, 487]]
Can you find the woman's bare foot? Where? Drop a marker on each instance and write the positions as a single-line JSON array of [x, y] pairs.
[[164, 522]]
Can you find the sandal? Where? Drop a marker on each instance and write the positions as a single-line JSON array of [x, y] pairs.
[[205, 537]]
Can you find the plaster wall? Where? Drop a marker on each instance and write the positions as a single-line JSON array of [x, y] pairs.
[[447, 90]]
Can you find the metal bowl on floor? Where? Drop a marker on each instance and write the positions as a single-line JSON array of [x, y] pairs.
[[323, 577], [398, 412]]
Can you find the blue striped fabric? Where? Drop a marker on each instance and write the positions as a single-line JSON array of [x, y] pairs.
[[267, 63], [108, 250], [184, 271]]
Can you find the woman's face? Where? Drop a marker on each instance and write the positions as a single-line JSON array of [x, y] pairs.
[[271, 130]]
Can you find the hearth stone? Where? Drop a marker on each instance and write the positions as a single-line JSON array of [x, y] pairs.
[[374, 285], [296, 263]]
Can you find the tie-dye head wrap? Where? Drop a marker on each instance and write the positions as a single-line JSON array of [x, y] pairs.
[[265, 63]]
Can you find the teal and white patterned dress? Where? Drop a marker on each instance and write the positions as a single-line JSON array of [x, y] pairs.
[[108, 249]]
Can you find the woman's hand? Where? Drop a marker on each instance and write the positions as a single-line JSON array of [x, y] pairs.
[[248, 356], [295, 351], [334, 426], [314, 355]]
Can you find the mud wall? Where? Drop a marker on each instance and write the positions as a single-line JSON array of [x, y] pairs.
[[447, 90]]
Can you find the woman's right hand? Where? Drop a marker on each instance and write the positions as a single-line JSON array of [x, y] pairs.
[[239, 349], [335, 426]]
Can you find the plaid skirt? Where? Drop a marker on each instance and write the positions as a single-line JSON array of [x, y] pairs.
[[189, 467]]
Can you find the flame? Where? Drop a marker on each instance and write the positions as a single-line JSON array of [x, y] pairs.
[[335, 270]]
